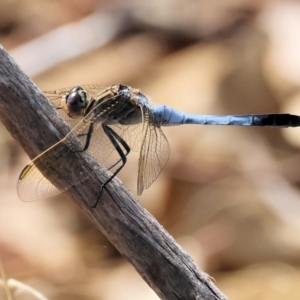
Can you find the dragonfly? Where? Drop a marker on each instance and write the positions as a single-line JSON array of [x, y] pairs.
[[119, 119]]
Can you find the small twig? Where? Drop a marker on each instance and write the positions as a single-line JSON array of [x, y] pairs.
[[31, 119]]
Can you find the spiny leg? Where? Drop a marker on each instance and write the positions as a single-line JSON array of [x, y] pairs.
[[114, 139], [88, 137], [122, 142]]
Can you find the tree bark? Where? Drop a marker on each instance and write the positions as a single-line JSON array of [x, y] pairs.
[[35, 124]]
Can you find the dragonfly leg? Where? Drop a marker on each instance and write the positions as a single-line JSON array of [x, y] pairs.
[[115, 140], [122, 142], [88, 137]]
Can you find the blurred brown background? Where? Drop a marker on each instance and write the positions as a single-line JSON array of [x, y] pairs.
[[229, 196]]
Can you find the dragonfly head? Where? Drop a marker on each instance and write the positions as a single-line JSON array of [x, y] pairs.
[[76, 102]]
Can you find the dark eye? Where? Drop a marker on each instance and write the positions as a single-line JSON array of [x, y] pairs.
[[76, 100]]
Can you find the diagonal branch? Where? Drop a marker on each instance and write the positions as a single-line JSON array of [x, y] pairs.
[[32, 121]]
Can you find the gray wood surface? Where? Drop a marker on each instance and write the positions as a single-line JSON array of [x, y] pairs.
[[163, 264]]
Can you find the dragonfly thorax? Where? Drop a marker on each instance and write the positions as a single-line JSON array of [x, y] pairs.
[[117, 105]]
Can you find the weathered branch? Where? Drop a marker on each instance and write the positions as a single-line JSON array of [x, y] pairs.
[[34, 123]]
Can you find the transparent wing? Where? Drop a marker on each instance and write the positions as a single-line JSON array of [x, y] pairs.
[[132, 134], [32, 185], [154, 155]]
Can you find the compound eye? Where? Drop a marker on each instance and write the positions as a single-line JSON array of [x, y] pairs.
[[76, 100]]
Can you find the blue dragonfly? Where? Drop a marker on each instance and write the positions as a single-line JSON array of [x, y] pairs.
[[119, 119]]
